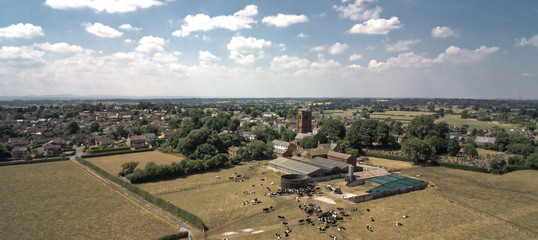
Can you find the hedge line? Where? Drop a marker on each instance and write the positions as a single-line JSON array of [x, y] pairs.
[[175, 236], [462, 167], [55, 159], [93, 151], [443, 164], [117, 152], [189, 217], [392, 157]]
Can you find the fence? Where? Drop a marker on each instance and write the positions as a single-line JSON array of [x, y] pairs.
[[532, 231]]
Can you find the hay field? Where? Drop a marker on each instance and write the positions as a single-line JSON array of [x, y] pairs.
[[485, 152], [112, 164], [403, 116], [58, 200], [473, 123], [511, 197], [389, 164]]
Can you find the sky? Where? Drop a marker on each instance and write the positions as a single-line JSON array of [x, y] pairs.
[[279, 48]]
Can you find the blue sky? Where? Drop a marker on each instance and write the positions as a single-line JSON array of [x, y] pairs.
[[328, 48]]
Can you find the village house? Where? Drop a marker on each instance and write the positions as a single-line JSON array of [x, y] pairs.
[[283, 148], [19, 152], [136, 141]]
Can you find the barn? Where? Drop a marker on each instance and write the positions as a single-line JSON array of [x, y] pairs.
[[297, 167]]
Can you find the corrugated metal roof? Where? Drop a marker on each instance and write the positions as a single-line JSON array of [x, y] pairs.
[[295, 166], [324, 163]]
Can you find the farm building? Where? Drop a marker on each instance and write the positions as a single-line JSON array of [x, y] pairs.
[[389, 185], [297, 167], [333, 166], [283, 148]]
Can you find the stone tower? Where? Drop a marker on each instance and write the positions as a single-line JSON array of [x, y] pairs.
[[304, 121]]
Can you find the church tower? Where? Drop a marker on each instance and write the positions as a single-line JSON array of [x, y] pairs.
[[304, 121]]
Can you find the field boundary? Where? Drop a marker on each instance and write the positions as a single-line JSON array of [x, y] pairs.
[[190, 188], [161, 211], [532, 232], [20, 162]]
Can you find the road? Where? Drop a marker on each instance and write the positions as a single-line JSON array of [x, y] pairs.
[[180, 225]]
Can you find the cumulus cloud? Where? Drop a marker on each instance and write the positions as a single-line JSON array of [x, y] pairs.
[[401, 46], [442, 32], [354, 57], [358, 11], [283, 20], [533, 41], [21, 30], [20, 53], [243, 49], [61, 47], [318, 48], [302, 35], [337, 48], [376, 26], [206, 56], [109, 6], [286, 62], [452, 55], [100, 30], [200, 22], [128, 27], [149, 44]]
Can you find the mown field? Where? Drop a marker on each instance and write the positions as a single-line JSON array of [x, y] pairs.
[[112, 164], [58, 200], [511, 197], [456, 120], [389, 164]]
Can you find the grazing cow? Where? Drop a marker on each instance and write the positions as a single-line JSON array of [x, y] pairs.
[[372, 219], [288, 230], [272, 183], [369, 228], [399, 224], [341, 228], [368, 210], [332, 237], [266, 210], [217, 176], [286, 234], [268, 189], [301, 220], [281, 217], [284, 223], [405, 216]]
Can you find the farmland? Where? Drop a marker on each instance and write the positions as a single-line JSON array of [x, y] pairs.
[[456, 120], [112, 164], [58, 200]]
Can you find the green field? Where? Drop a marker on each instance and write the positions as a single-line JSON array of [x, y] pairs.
[[473, 123], [59, 200]]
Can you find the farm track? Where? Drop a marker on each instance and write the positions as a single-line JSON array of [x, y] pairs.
[[182, 226]]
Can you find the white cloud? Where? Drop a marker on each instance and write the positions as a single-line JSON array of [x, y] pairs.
[[318, 48], [283, 20], [285, 62], [128, 40], [354, 57], [20, 53], [442, 32], [100, 30], [109, 6], [452, 55], [531, 41], [128, 27], [149, 44], [200, 22], [337, 48], [242, 49], [401, 46], [206, 56], [302, 35], [61, 47], [376, 26], [357, 11], [21, 30]]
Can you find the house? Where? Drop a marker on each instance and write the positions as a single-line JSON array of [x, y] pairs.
[[149, 136], [299, 137], [52, 149], [329, 146], [342, 157], [17, 142], [102, 141], [484, 140], [283, 148], [235, 151], [167, 134], [19, 152], [136, 141]]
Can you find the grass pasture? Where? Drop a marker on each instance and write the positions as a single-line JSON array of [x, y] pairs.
[[112, 164], [403, 116], [511, 197], [456, 120], [389, 164], [58, 200]]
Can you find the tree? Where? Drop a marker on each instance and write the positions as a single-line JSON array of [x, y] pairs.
[[320, 138], [532, 161], [308, 142], [421, 126], [71, 128], [94, 127], [4, 153], [188, 144], [418, 150], [382, 134], [8, 131], [439, 144], [470, 149], [453, 147], [204, 151], [127, 168], [502, 141], [234, 124], [333, 129], [258, 150], [287, 135], [465, 114]]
